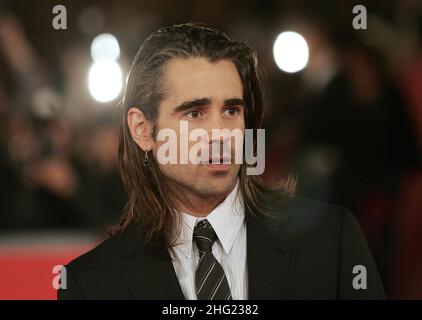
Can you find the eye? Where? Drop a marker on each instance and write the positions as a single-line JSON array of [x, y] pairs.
[[194, 114], [232, 111]]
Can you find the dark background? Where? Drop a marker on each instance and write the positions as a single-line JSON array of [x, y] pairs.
[[349, 125]]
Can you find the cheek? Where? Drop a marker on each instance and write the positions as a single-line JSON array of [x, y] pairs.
[[239, 123], [242, 120], [182, 173], [164, 127]]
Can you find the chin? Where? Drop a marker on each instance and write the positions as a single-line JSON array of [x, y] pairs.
[[218, 184]]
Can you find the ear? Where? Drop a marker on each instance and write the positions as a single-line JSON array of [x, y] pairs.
[[140, 129]]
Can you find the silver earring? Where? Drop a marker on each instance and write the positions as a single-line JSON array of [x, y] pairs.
[[147, 161]]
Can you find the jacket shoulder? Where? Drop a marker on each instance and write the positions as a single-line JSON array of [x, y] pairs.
[[306, 213], [330, 239], [104, 251], [123, 244], [95, 267], [97, 273]]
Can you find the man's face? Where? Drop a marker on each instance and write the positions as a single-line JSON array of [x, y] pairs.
[[207, 96]]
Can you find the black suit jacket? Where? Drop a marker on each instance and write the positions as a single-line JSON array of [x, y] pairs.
[[309, 253]]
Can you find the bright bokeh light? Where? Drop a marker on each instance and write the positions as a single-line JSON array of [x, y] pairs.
[[105, 46], [291, 52], [105, 80]]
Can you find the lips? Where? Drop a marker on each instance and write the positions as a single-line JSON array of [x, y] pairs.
[[220, 160]]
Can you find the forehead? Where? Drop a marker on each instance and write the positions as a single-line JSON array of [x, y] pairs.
[[189, 78]]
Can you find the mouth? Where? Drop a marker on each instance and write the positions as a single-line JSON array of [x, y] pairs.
[[220, 160], [219, 163]]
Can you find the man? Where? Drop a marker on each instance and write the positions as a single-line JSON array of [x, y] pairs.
[[211, 230]]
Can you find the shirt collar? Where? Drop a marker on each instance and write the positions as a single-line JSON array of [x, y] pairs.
[[226, 219]]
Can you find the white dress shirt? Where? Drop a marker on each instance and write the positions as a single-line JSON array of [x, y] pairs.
[[228, 221]]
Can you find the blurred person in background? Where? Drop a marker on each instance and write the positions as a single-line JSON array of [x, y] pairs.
[[360, 143], [45, 186]]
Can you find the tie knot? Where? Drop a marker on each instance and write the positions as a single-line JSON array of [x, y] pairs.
[[204, 236]]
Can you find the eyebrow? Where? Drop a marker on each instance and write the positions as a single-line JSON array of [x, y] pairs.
[[202, 102]]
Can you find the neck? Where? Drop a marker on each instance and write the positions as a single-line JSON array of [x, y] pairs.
[[198, 205]]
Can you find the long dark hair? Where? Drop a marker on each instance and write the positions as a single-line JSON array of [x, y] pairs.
[[151, 204]]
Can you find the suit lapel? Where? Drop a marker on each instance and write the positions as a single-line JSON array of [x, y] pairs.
[[149, 274], [269, 255]]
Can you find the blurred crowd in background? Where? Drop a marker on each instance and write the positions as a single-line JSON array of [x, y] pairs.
[[349, 125]]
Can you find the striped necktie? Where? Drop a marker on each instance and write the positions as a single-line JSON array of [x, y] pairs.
[[210, 280]]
